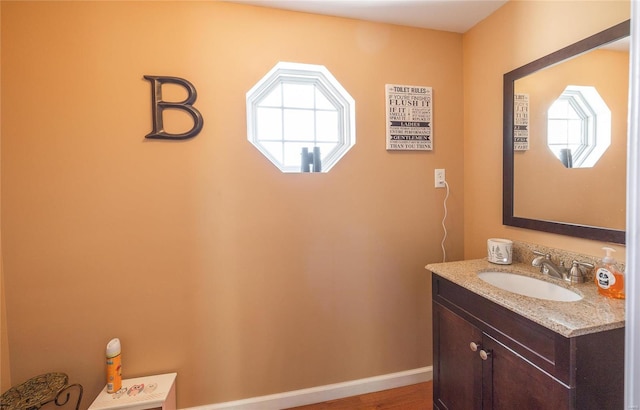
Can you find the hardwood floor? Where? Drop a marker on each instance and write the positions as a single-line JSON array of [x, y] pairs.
[[413, 397]]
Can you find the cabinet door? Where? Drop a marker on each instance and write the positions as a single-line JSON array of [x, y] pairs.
[[457, 380], [511, 382]]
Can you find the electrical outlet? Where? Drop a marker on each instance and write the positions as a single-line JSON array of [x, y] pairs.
[[439, 177]]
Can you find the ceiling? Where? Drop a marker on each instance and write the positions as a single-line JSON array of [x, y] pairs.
[[447, 15]]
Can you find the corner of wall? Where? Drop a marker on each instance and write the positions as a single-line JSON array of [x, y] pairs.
[[5, 374]]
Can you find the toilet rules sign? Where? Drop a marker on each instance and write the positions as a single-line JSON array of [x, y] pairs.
[[409, 110]]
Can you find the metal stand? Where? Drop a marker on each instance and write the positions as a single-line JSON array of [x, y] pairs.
[[40, 390]]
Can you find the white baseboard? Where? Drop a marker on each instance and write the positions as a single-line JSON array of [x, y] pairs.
[[325, 393]]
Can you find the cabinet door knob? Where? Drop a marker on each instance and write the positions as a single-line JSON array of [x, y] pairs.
[[474, 346], [484, 355]]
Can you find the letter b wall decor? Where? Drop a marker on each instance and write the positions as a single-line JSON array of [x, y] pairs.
[[159, 106]]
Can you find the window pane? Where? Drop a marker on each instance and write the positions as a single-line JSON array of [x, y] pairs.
[[572, 114], [298, 125], [574, 132], [268, 124], [322, 102], [327, 126], [557, 131], [558, 109], [326, 149], [298, 95], [274, 149], [293, 153], [273, 99]]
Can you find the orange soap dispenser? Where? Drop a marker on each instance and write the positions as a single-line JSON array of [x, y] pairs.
[[609, 277]]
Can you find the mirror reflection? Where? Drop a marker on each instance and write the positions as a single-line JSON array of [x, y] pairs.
[[568, 138], [578, 127], [577, 119]]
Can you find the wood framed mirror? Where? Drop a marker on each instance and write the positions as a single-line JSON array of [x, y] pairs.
[[539, 191]]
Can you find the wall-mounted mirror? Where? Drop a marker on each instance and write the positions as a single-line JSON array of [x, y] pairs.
[[565, 139]]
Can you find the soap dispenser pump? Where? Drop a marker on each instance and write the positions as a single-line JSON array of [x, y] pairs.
[[609, 278]]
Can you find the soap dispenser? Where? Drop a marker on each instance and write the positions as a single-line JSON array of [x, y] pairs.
[[609, 277]]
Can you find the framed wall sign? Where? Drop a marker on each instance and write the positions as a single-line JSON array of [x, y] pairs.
[[520, 122], [409, 117]]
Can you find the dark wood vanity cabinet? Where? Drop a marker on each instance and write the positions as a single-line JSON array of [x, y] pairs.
[[464, 380], [516, 363]]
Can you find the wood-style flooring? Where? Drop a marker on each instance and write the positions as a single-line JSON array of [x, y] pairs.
[[413, 397]]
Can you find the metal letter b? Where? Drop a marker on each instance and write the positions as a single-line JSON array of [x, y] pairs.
[[159, 106]]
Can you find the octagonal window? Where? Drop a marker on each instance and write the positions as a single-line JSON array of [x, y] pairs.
[[301, 118], [579, 127]]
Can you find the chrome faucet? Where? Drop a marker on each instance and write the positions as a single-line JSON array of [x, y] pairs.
[[576, 274], [546, 265]]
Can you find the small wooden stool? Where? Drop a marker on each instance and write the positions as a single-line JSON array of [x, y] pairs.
[[143, 393]]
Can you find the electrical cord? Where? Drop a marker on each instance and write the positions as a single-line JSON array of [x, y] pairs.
[[444, 227]]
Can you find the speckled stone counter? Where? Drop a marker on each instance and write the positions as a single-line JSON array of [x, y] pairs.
[[593, 313]]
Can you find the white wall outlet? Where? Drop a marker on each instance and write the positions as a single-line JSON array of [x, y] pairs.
[[439, 176]]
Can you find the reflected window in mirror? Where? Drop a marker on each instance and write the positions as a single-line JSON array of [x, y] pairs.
[[579, 127]]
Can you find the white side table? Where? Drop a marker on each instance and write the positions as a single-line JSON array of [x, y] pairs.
[[150, 392]]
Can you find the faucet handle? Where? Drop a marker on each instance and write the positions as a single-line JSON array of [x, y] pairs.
[[546, 255], [583, 264], [577, 272]]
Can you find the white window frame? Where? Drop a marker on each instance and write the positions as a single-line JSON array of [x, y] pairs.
[[595, 124], [323, 81]]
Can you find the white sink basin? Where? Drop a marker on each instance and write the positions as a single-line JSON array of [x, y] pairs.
[[526, 286]]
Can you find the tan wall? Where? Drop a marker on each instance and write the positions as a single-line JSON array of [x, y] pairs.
[[5, 372], [200, 255], [517, 33]]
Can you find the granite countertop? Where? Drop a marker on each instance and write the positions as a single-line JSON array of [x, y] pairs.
[[593, 313]]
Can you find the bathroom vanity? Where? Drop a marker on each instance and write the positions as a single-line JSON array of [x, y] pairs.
[[494, 349]]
